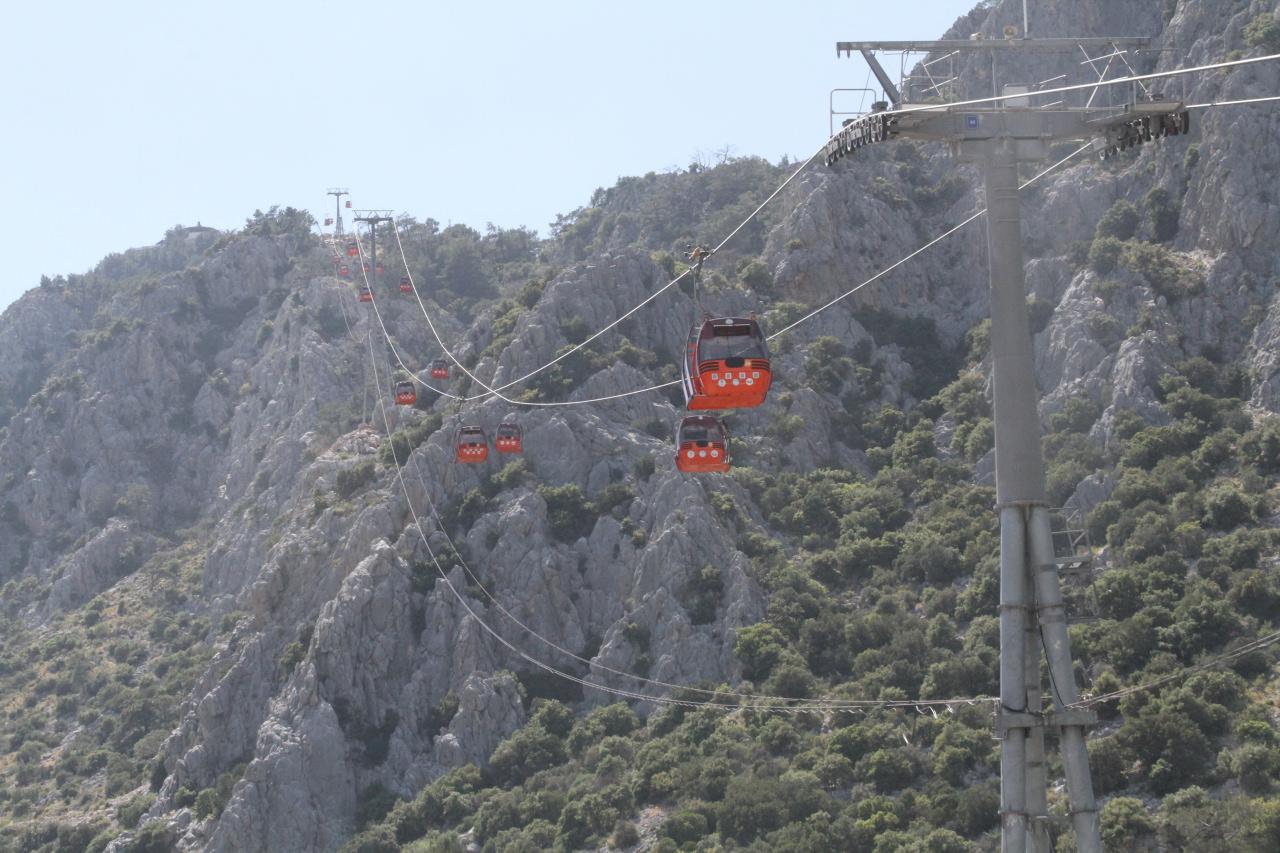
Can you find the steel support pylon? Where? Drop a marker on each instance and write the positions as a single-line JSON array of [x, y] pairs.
[[1031, 612]]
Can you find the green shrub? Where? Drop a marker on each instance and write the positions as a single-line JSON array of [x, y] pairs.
[[1126, 824], [404, 441], [625, 834], [354, 477], [1159, 267], [1119, 222], [759, 647], [1226, 507], [568, 511], [1162, 214], [1104, 254], [1264, 32], [129, 813]]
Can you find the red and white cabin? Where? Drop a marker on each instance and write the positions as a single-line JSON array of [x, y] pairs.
[[702, 445], [353, 251], [472, 444], [344, 271], [380, 269], [406, 393], [366, 295], [439, 369], [406, 286], [509, 438], [726, 365]]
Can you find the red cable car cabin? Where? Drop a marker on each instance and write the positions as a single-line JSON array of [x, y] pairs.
[[472, 444], [406, 394], [702, 445], [406, 286], [328, 220], [366, 295], [439, 369], [380, 269], [510, 438], [726, 365], [353, 251], [344, 271]]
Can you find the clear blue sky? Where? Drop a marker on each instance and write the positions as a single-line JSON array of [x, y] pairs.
[[127, 118]]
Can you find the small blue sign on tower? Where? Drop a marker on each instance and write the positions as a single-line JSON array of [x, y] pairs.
[[971, 122]]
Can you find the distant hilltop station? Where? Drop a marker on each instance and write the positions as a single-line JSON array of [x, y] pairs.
[[189, 231]]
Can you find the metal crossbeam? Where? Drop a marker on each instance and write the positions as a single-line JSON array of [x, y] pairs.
[[847, 48], [1031, 130]]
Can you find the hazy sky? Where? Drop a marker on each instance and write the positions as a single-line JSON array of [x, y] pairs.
[[127, 118]]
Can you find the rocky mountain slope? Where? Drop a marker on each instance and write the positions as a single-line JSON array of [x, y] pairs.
[[224, 622]]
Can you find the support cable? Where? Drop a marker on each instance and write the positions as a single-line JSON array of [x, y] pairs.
[[496, 391], [813, 705], [935, 241], [832, 705], [1248, 648], [1076, 87]]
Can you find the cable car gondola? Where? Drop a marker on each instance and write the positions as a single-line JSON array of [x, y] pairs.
[[328, 220], [406, 286], [344, 271], [366, 295], [472, 444], [380, 269], [439, 369], [726, 365], [353, 251], [406, 393], [702, 445], [509, 439]]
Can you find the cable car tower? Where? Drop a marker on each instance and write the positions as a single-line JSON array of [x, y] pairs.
[[337, 193], [373, 218], [998, 137]]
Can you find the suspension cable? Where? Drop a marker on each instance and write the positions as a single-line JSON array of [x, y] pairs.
[[497, 391], [1233, 103], [811, 705], [808, 704], [1076, 87], [1248, 648], [882, 273]]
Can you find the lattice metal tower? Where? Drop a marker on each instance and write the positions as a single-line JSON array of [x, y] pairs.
[[337, 193]]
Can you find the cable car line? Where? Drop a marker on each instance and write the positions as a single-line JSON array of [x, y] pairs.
[[475, 580], [395, 352], [1233, 103], [1076, 87], [1247, 648], [492, 391], [463, 399], [935, 241], [810, 704], [496, 391], [805, 705]]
